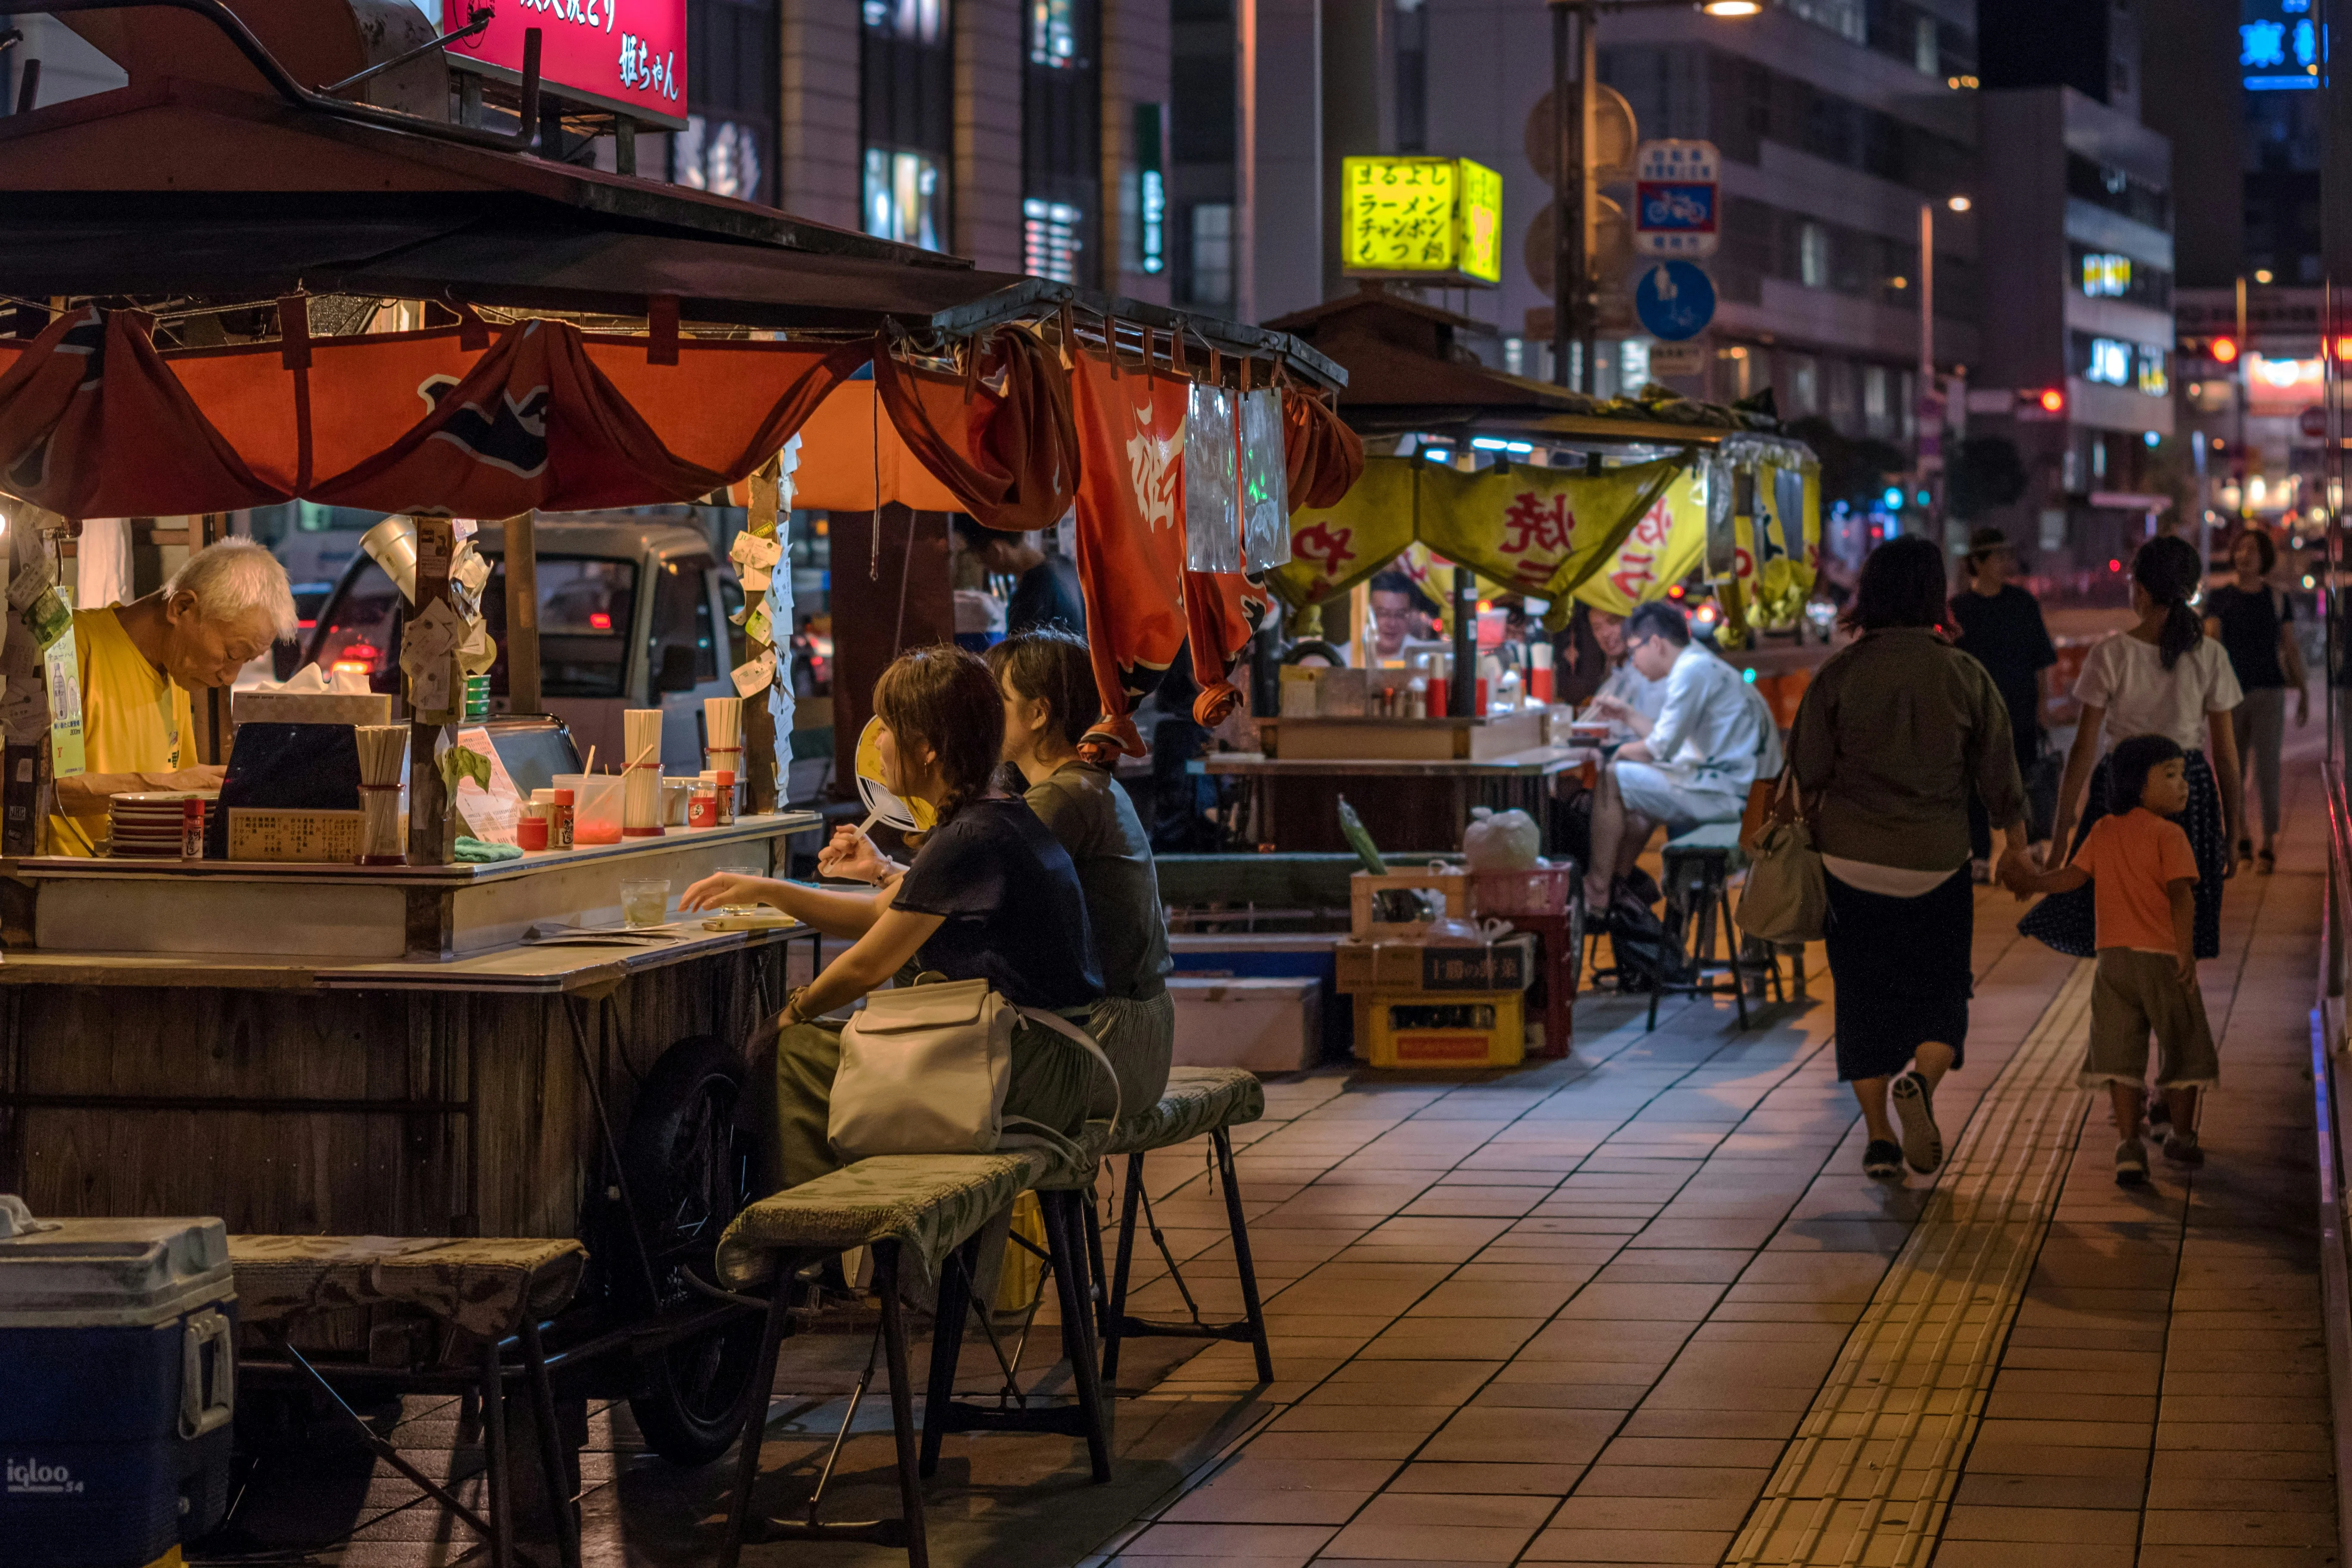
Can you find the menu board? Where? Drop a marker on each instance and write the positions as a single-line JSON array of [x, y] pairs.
[[283, 833]]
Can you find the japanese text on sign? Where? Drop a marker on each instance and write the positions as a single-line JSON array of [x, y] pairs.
[[1424, 218], [628, 54]]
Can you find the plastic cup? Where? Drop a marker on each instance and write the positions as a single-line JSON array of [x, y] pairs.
[[596, 806], [645, 901]]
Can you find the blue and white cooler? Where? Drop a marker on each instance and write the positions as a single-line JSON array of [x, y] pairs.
[[118, 1350]]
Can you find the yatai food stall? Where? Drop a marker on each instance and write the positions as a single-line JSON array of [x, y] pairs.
[[337, 1015], [1521, 489]]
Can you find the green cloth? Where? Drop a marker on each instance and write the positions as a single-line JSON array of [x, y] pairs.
[[1055, 1083], [1089, 813], [476, 851], [928, 1204], [1893, 733], [1199, 1100], [1139, 1038]]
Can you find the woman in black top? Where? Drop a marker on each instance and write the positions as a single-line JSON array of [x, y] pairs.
[[991, 896], [2252, 619], [2000, 626]]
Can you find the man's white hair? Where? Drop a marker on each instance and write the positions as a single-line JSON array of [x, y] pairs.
[[234, 577]]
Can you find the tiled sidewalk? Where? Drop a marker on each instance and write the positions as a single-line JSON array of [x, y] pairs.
[[1577, 1315], [1641, 1307]]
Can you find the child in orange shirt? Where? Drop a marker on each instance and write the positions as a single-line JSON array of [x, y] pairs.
[[2142, 870]]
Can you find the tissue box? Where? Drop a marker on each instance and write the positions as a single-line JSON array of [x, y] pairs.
[[315, 708]]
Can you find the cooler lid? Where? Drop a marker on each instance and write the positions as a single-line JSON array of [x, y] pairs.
[[111, 1272]]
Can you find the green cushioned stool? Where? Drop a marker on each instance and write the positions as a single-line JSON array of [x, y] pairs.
[[909, 1210], [1199, 1101], [1697, 867]]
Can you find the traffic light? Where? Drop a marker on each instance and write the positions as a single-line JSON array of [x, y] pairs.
[[2222, 351]]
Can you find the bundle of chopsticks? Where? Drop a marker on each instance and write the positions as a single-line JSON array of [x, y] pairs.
[[722, 728], [383, 831], [641, 777]]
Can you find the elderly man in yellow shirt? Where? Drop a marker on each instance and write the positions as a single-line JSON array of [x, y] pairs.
[[139, 662]]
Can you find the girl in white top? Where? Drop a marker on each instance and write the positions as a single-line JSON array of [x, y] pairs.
[[2162, 677]]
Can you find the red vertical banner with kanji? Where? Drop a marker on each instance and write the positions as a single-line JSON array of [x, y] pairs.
[[1131, 535]]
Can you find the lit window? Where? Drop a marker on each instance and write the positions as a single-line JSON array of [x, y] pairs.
[[2111, 361], [2108, 277], [917, 20], [718, 156], [1051, 240], [2154, 379], [902, 197], [1053, 32], [1924, 56], [1812, 256]]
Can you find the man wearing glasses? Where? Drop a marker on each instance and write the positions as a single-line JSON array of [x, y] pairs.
[[1693, 763]]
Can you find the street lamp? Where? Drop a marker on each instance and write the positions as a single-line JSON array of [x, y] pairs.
[[1928, 405], [1575, 26]]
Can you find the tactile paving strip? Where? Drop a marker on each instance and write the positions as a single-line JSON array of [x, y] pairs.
[[1870, 1475]]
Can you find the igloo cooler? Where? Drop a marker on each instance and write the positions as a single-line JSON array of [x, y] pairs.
[[118, 1355]]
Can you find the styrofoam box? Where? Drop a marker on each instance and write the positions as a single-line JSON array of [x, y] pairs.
[[1271, 1025]]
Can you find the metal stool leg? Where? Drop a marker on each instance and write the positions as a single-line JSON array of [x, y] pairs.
[[1730, 944], [902, 1402], [494, 1461], [1223, 1142], [947, 1349], [755, 1426], [560, 1498], [1062, 1231], [1116, 1313], [1097, 1276]]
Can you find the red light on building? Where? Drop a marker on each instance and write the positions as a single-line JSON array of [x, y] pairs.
[[2224, 350], [2052, 401], [599, 621]]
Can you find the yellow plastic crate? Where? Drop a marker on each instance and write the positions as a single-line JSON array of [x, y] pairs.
[[1443, 1029]]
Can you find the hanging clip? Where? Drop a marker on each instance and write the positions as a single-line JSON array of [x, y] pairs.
[[294, 332], [661, 328]]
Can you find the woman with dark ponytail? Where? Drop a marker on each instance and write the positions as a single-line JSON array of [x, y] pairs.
[[991, 896], [2161, 677]]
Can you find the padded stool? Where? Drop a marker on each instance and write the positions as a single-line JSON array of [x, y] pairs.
[[1199, 1100], [913, 1212], [493, 1289], [1697, 882]]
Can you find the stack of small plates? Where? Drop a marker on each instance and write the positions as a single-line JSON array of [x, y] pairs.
[[147, 825]]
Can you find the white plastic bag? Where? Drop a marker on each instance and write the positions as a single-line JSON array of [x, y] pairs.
[[1501, 841]]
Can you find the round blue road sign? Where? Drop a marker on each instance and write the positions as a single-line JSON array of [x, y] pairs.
[[1674, 300]]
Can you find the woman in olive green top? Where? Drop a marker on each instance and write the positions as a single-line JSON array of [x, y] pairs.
[[1895, 731], [1050, 701]]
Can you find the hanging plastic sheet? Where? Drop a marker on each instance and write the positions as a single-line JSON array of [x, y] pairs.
[[1130, 546], [1213, 534], [1263, 483]]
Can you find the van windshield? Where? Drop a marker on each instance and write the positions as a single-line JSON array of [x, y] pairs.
[[587, 611]]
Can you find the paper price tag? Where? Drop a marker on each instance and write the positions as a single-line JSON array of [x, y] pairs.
[[756, 627], [750, 551], [431, 634], [755, 677]]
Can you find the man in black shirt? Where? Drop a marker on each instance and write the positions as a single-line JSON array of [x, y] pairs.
[[2000, 624], [1047, 593]]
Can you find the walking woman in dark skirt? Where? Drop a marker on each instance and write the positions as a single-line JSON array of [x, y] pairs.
[[2162, 677], [1894, 734]]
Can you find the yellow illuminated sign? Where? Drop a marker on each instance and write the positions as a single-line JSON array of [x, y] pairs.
[[1423, 217]]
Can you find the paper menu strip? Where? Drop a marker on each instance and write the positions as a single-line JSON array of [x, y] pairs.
[[490, 815]]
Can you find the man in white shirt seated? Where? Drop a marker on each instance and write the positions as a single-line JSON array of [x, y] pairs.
[[1625, 683], [1694, 760]]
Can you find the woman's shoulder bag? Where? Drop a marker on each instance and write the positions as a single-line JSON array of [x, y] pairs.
[[1785, 901]]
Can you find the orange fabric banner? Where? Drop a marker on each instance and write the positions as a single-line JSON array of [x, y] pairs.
[[547, 421], [1322, 457], [1001, 437], [1223, 611], [1130, 533], [840, 465], [93, 424]]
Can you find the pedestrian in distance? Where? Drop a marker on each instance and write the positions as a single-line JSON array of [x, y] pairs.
[[2000, 627], [2254, 622], [1896, 734], [2141, 870]]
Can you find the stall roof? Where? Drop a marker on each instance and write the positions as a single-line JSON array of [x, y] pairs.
[[1408, 368], [166, 190]]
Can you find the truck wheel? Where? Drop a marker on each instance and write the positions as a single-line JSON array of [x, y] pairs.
[[688, 1159]]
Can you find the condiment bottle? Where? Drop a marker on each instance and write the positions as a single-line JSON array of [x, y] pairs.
[[702, 803], [726, 798], [559, 821], [531, 828], [192, 829], [1540, 675], [1416, 698]]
